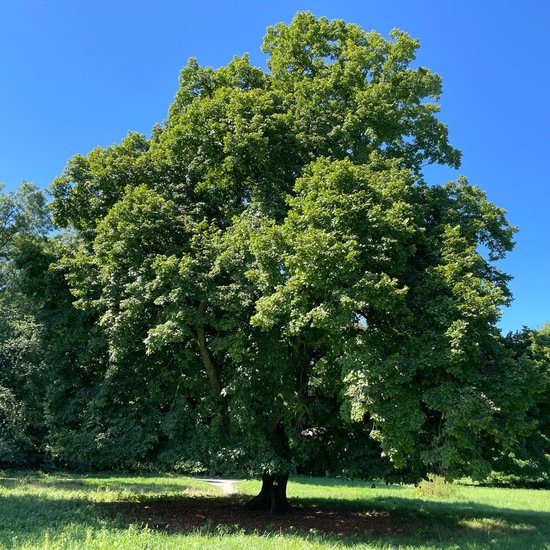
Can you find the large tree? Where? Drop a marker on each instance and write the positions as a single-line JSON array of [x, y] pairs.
[[274, 277]]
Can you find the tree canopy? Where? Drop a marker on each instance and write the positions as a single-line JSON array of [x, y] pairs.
[[271, 283]]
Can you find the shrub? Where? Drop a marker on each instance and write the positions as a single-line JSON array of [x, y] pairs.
[[435, 487]]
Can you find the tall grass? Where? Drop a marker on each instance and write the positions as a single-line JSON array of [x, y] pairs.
[[66, 512]]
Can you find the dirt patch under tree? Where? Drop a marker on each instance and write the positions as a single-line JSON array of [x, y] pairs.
[[229, 514]]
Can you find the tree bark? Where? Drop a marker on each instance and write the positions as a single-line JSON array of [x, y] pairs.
[[211, 369], [272, 496], [206, 358]]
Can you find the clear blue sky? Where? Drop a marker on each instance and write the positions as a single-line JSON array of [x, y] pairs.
[[81, 73]]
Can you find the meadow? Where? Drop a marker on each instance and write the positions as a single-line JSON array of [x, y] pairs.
[[61, 511]]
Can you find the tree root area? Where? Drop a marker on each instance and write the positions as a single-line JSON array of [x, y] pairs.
[[225, 516]]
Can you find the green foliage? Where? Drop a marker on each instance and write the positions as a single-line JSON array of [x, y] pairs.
[[529, 463], [545, 329], [90, 185], [268, 281], [354, 93], [24, 222], [22, 212]]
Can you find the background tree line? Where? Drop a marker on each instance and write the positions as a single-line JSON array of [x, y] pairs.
[[267, 283]]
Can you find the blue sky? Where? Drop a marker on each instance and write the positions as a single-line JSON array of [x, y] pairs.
[[77, 74]]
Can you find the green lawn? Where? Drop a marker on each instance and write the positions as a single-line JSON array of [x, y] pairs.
[[61, 511]]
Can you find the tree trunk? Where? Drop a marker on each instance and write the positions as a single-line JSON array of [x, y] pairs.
[[272, 495], [212, 371], [207, 361]]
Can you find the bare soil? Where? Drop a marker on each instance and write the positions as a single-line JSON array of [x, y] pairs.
[[207, 514]]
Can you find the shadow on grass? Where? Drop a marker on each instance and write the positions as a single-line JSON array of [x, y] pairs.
[[397, 523], [138, 485], [26, 519], [407, 504], [379, 520]]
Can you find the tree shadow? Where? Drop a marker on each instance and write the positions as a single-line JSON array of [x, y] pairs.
[[351, 523]]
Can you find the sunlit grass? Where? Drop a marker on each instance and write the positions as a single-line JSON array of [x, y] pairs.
[[345, 492], [68, 512]]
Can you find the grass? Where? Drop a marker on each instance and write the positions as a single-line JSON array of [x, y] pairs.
[[69, 512]]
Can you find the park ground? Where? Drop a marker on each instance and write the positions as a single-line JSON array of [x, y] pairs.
[[132, 512]]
